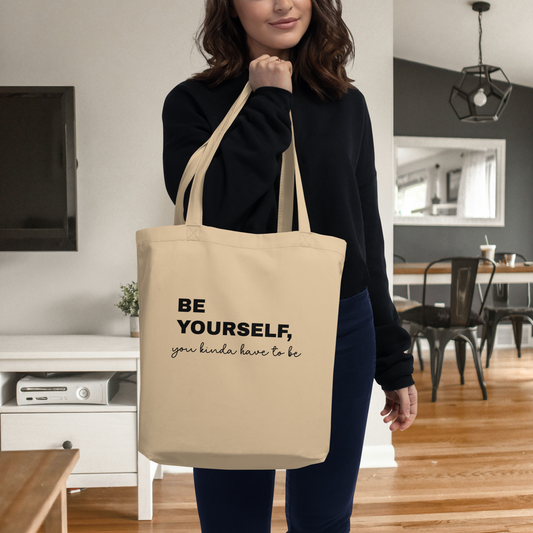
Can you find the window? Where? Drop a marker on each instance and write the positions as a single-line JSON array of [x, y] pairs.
[[411, 193]]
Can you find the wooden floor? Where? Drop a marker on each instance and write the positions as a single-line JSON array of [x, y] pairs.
[[466, 466]]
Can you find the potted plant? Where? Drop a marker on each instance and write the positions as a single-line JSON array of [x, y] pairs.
[[129, 305]]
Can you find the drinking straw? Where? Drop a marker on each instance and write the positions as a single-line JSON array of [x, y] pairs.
[[486, 240]]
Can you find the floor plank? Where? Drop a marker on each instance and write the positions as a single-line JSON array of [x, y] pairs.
[[466, 466]]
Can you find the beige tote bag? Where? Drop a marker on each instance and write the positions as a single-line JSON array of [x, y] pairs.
[[237, 333]]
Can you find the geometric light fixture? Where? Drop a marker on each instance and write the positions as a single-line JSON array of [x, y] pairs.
[[482, 92]]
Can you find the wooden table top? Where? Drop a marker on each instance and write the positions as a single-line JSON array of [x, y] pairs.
[[30, 482], [446, 268]]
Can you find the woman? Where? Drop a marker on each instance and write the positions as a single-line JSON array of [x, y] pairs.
[[294, 54]]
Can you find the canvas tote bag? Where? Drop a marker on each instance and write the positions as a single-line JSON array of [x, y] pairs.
[[238, 333]]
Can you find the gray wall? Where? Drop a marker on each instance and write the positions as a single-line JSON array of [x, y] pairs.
[[421, 108]]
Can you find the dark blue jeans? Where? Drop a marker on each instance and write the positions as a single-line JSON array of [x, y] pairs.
[[319, 498]]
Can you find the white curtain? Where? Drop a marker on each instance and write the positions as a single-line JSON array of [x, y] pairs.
[[477, 191]]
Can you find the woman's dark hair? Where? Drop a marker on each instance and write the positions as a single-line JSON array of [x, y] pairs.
[[320, 58]]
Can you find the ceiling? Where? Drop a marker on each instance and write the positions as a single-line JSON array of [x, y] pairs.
[[444, 33]]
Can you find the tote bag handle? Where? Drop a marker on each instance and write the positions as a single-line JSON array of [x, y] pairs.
[[201, 159]]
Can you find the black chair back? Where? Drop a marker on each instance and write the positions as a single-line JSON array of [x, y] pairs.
[[464, 273], [500, 295], [500, 291]]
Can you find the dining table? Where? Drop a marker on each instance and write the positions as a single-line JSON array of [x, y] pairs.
[[440, 273]]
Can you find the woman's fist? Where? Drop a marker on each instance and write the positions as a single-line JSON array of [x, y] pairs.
[[270, 71]]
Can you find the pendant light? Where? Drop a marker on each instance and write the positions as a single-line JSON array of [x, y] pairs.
[[482, 92]]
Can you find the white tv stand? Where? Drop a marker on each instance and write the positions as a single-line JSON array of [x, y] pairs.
[[105, 434]]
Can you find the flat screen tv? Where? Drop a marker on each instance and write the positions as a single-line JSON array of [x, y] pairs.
[[38, 205]]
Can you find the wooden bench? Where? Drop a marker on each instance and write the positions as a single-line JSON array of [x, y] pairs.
[[33, 490]]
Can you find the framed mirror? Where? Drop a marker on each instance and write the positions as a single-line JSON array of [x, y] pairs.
[[445, 181]]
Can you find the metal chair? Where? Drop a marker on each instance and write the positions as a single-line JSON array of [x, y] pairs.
[[440, 325], [403, 304], [501, 310]]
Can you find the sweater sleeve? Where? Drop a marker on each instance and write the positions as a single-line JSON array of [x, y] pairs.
[[394, 365], [240, 184]]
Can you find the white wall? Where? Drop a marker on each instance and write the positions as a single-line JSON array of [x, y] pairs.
[[372, 28], [123, 57]]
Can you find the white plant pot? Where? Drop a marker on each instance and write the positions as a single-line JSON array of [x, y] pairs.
[[134, 326]]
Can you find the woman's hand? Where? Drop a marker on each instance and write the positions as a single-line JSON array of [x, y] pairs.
[[271, 71], [400, 407]]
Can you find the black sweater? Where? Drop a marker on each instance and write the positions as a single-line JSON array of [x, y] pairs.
[[336, 156]]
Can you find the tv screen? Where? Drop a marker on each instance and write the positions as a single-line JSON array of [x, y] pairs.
[[37, 169]]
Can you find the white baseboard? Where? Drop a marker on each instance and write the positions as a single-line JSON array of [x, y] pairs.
[[378, 457], [167, 469], [505, 338], [373, 457]]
